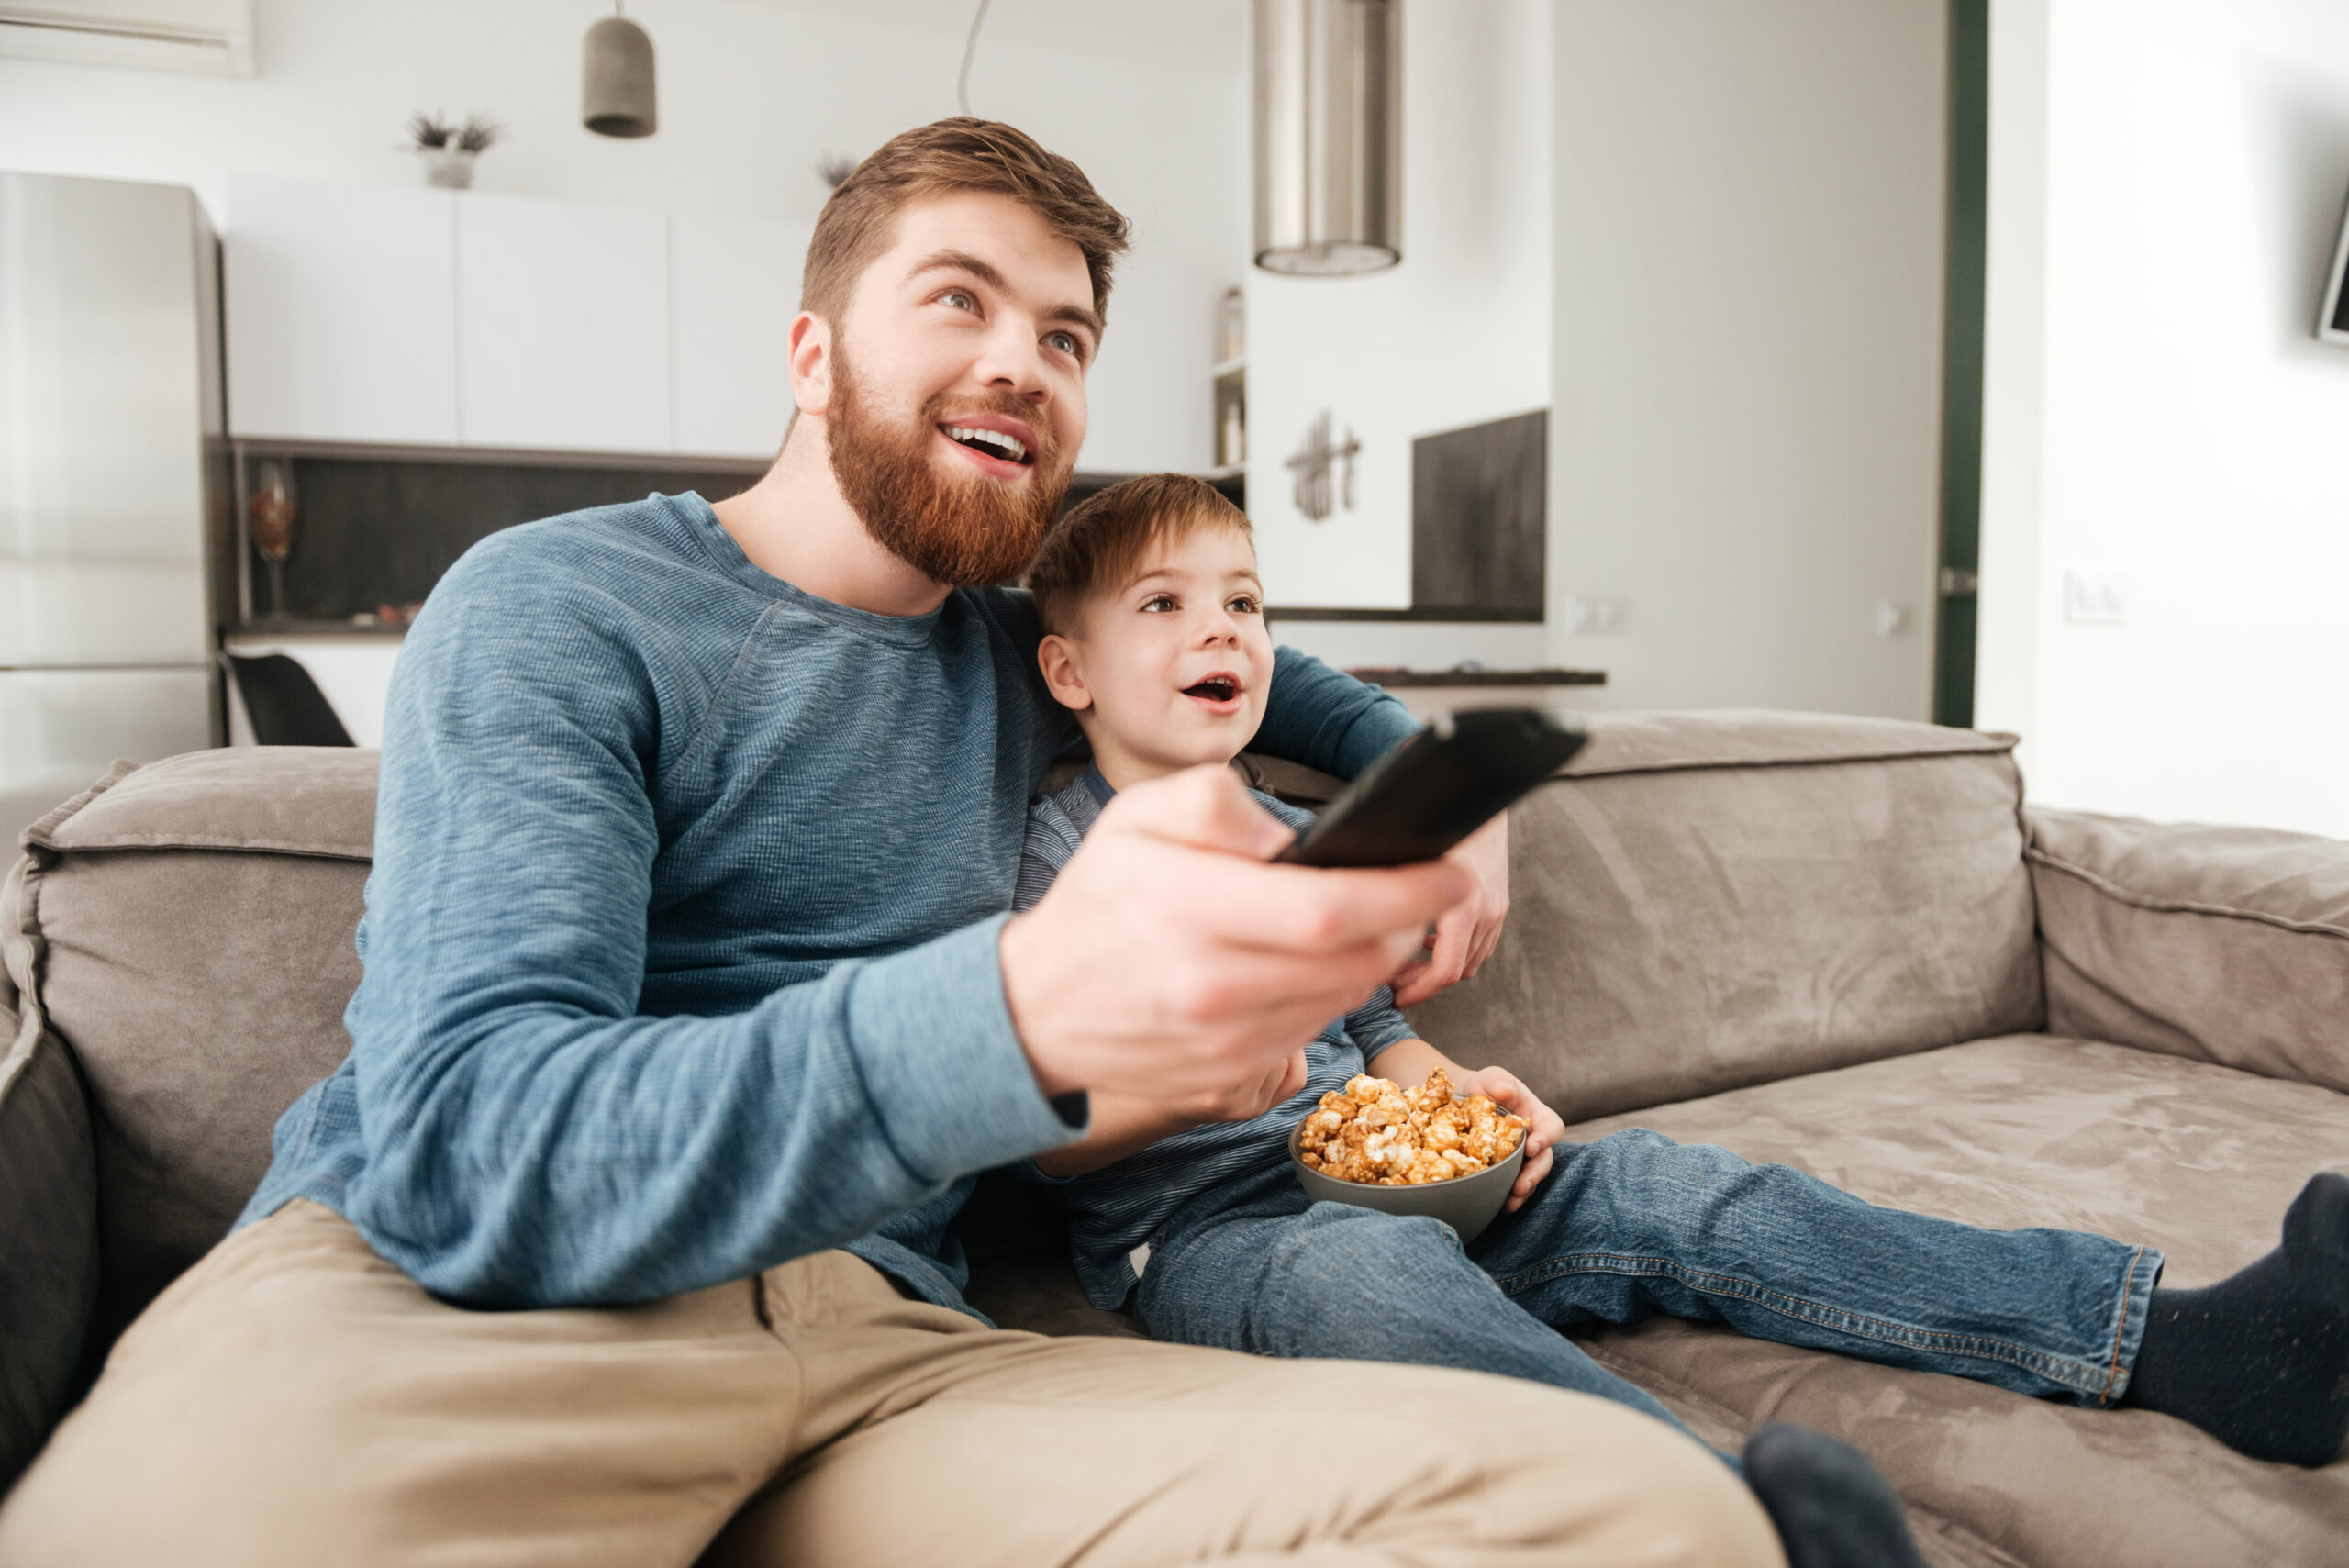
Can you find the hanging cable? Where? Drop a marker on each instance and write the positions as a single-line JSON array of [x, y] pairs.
[[970, 48]]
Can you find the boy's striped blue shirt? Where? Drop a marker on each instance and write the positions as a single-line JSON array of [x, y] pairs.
[[1121, 1207]]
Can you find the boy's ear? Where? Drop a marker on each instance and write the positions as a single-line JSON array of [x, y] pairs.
[[1056, 657]]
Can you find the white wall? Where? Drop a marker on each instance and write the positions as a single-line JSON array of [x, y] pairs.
[[1456, 334], [1149, 99], [1744, 441], [2014, 345], [2162, 411]]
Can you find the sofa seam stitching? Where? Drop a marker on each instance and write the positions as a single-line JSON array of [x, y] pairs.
[[2120, 1326], [210, 844], [1691, 765], [2152, 905]]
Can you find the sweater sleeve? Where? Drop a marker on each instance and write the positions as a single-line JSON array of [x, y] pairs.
[[531, 1139], [1376, 1025], [1325, 718]]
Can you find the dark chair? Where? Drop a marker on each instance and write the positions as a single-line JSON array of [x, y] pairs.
[[284, 702]]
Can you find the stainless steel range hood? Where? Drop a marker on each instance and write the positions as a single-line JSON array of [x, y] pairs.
[[1329, 115]]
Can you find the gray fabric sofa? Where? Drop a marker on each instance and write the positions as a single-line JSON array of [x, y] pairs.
[[1845, 944]]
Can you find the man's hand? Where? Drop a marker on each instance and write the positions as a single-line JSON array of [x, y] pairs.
[[1123, 1125], [1168, 961], [1468, 931], [1545, 1133]]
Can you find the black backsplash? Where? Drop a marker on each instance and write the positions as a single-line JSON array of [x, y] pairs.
[[378, 530], [1480, 501], [371, 531]]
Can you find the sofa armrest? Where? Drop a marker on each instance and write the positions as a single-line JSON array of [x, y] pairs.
[[2226, 944], [48, 1214]]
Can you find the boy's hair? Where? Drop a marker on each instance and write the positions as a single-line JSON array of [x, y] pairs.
[[959, 154], [1103, 540]]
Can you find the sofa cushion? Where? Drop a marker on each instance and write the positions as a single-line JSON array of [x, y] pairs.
[[49, 1234], [2029, 1129], [193, 922], [1704, 900], [2226, 944]]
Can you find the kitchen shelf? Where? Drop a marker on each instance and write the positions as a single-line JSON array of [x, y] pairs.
[[1483, 678]]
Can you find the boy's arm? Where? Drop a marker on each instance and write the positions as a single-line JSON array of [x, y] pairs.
[[531, 1138], [1327, 720]]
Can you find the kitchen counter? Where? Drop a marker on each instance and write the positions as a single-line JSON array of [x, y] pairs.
[[1399, 677]]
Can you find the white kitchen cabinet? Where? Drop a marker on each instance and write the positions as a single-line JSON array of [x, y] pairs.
[[735, 283], [563, 312], [340, 304]]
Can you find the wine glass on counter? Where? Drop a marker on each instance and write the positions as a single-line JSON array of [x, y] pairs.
[[271, 514]]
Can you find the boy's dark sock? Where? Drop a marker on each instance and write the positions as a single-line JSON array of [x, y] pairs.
[[2260, 1361], [1831, 1508]]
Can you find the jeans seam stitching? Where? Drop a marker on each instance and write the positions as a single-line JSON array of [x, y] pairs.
[[2051, 1367], [2120, 1325]]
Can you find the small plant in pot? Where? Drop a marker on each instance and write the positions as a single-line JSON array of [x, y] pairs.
[[449, 150]]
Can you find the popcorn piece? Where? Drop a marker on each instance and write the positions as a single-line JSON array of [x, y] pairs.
[[1377, 1132]]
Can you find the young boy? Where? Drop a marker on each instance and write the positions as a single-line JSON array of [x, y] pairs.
[[1156, 638]]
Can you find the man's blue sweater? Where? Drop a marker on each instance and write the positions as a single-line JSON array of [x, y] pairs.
[[680, 945]]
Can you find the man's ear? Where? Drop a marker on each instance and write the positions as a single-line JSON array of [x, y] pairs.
[[811, 362], [1056, 657]]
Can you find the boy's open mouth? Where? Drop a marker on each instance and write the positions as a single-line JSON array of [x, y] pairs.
[[1215, 689], [1000, 444]]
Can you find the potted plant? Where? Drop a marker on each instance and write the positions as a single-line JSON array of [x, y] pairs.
[[448, 149]]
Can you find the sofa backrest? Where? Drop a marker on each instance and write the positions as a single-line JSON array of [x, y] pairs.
[[1706, 900], [1703, 900], [186, 929]]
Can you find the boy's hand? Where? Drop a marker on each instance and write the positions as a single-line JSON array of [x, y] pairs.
[[1545, 1133], [1169, 963], [1470, 930]]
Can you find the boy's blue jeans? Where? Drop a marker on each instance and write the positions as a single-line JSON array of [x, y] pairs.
[[1632, 1226]]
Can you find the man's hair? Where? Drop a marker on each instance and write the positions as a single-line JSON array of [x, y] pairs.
[[1103, 541], [960, 154]]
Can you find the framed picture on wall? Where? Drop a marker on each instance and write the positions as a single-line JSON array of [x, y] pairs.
[[2332, 326]]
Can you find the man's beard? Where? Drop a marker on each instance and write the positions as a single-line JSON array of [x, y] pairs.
[[962, 533]]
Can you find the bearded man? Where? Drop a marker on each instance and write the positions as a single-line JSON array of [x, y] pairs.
[[687, 977]]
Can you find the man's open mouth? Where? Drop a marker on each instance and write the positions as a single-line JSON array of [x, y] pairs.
[[992, 444], [1215, 689]]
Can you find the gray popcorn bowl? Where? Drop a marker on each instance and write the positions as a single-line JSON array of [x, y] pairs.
[[1467, 1204]]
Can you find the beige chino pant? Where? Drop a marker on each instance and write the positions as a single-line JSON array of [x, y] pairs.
[[294, 1399]]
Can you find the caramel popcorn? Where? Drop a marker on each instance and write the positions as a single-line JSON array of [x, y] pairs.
[[1382, 1134]]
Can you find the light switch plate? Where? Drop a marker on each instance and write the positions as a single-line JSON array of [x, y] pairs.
[[2093, 596], [1590, 615]]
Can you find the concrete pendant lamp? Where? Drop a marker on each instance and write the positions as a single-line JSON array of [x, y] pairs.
[[1329, 136], [616, 95]]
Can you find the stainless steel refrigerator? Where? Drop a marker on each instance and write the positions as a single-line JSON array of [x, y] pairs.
[[113, 483]]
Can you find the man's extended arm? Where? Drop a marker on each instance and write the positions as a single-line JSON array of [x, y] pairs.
[[1327, 720], [533, 1140]]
